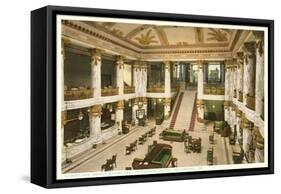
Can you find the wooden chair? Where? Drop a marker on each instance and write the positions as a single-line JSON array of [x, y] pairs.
[[113, 160], [150, 134], [107, 166], [129, 150], [153, 130], [211, 139], [141, 140], [210, 156], [174, 162]]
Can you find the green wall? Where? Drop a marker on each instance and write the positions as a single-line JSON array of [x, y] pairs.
[[213, 110]]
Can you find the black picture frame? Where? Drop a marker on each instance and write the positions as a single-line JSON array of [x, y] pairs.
[[43, 95]]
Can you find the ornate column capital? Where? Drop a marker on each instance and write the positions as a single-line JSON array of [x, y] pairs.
[[96, 110], [167, 101], [95, 56], [120, 104], [63, 118], [249, 49], [144, 99], [135, 101], [259, 35], [246, 123], [257, 138], [227, 104], [200, 103], [136, 65], [167, 65], [120, 61], [240, 59], [143, 65], [228, 64], [200, 63], [238, 113]]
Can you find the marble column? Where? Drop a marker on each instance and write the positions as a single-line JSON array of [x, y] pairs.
[[119, 114], [259, 72], [144, 100], [134, 110], [235, 75], [200, 79], [136, 69], [143, 79], [63, 123], [120, 74], [249, 67], [259, 145], [227, 82], [95, 124], [200, 111], [240, 79], [233, 118], [167, 108], [96, 71], [248, 139], [167, 78], [140, 78], [238, 116], [62, 69], [227, 105]]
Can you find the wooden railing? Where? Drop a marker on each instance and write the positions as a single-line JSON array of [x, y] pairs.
[[235, 93], [213, 90], [129, 90], [109, 91], [156, 90], [240, 96], [250, 102], [78, 94]]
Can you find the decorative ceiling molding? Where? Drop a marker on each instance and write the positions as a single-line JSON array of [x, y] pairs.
[[106, 40], [146, 38], [138, 29], [199, 35], [162, 36]]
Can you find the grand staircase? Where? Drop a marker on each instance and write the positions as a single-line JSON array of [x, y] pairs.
[[176, 111], [184, 110], [193, 116]]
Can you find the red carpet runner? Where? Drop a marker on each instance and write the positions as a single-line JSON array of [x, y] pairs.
[[193, 115], [173, 121]]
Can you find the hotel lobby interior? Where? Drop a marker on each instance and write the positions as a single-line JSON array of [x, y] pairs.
[[144, 96]]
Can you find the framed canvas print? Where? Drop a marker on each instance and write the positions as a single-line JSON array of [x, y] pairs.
[[125, 96]]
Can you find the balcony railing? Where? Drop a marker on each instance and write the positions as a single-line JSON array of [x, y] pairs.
[[240, 96], [78, 94], [250, 102], [129, 90], [156, 90], [109, 91], [234, 93], [213, 89]]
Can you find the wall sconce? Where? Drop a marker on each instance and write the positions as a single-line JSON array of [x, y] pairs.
[[213, 106]]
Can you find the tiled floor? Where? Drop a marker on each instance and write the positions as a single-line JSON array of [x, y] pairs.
[[184, 160], [222, 150]]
